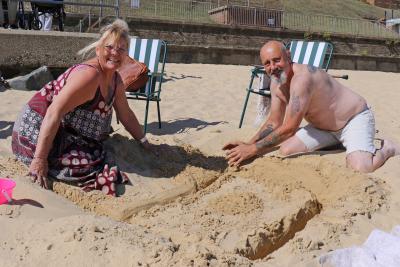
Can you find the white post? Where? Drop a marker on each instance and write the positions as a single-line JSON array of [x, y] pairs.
[[90, 19], [117, 8], [101, 8]]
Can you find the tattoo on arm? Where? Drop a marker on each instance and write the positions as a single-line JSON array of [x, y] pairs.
[[295, 104], [312, 69], [266, 132], [273, 139]]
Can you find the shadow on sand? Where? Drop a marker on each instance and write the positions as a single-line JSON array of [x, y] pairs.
[[170, 78], [323, 151], [179, 126], [25, 201], [164, 161], [6, 129]]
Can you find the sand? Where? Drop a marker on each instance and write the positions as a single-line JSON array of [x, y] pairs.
[[185, 206]]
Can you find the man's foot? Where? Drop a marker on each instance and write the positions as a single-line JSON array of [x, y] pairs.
[[392, 148]]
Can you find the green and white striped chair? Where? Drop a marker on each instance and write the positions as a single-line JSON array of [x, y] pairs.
[[151, 52], [315, 53]]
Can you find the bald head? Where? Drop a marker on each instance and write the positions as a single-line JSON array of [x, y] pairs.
[[274, 47]]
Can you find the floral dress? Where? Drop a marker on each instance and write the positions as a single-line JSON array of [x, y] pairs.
[[77, 154]]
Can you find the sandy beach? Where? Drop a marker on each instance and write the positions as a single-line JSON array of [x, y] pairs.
[[185, 206]]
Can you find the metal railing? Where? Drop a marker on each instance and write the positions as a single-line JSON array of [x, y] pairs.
[[197, 11], [203, 11], [329, 24], [80, 7], [171, 10], [98, 7], [91, 10]]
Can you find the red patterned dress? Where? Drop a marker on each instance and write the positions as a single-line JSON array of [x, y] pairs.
[[77, 154]]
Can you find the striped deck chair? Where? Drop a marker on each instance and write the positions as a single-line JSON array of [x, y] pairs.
[[151, 52], [315, 53]]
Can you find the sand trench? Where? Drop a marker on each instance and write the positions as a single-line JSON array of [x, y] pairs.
[[211, 212]]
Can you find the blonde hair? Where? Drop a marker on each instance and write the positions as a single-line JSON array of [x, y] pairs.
[[116, 31]]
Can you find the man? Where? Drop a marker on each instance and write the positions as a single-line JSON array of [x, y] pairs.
[[12, 7], [335, 114]]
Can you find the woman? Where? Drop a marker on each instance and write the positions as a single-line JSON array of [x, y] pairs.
[[61, 129]]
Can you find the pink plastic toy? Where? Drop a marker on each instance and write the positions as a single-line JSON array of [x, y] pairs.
[[6, 188]]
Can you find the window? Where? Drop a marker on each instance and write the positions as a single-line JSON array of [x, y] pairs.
[[135, 3]]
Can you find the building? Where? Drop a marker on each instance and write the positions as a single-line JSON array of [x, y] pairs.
[[392, 4], [240, 15], [393, 24]]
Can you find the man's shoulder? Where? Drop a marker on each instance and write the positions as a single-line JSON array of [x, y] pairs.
[[303, 69], [303, 73], [302, 78]]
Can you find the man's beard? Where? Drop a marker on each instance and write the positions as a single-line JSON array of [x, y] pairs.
[[281, 79]]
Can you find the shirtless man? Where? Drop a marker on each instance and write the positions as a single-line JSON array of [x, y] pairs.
[[335, 115]]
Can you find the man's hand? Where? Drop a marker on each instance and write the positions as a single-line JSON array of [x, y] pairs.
[[232, 144], [240, 153]]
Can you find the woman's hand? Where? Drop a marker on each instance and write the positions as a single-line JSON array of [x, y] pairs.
[[38, 169], [149, 147], [146, 145]]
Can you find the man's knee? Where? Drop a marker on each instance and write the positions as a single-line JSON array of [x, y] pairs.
[[360, 161], [285, 150], [292, 146]]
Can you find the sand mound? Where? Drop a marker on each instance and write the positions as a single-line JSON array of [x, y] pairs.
[[205, 212], [257, 226], [87, 237], [185, 208], [236, 203]]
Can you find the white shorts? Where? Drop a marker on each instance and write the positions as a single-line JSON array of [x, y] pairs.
[[357, 135]]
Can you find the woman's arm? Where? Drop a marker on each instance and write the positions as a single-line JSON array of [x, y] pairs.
[[80, 87], [126, 115]]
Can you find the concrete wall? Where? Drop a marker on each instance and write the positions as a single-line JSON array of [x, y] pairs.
[[224, 44], [22, 50]]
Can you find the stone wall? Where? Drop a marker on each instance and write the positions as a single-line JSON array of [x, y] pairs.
[[192, 43]]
